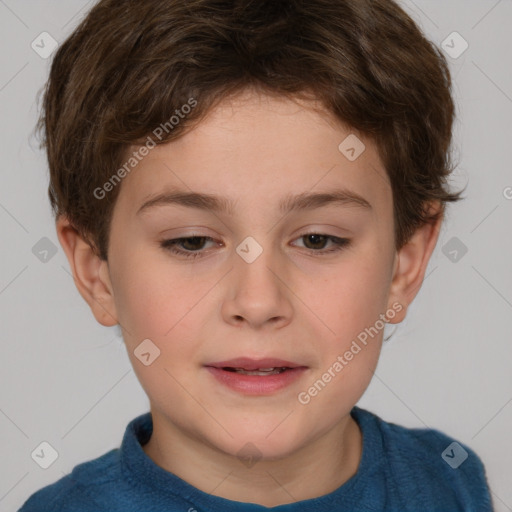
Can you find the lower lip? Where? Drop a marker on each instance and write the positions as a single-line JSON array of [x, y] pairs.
[[256, 384]]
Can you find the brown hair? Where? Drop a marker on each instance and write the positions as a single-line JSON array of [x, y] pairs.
[[130, 64]]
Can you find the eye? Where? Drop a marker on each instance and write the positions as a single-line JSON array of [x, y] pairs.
[[194, 246], [316, 242]]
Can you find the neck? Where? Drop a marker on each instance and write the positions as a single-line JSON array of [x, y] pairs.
[[317, 469]]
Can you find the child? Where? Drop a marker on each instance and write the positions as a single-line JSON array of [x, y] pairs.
[[252, 190]]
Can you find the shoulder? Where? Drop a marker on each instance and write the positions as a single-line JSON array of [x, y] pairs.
[[77, 490], [428, 466]]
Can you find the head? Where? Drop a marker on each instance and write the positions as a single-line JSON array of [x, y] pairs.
[[235, 111]]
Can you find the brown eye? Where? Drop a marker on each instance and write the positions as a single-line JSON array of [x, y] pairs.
[[315, 241], [189, 247], [193, 243]]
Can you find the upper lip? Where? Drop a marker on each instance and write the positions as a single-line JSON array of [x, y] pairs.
[[254, 364]]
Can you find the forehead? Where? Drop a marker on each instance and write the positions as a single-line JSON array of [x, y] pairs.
[[261, 149]]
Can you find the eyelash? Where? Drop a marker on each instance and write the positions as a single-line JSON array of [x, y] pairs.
[[171, 245]]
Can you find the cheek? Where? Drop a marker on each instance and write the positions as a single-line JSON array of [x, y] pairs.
[[348, 355], [352, 298], [164, 305], [149, 300], [165, 309], [141, 303]]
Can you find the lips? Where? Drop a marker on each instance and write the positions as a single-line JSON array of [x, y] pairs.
[[262, 365], [256, 377]]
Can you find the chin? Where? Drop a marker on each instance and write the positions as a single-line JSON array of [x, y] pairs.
[[260, 444]]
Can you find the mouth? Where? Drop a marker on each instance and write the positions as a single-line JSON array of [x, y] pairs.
[[260, 371], [256, 376]]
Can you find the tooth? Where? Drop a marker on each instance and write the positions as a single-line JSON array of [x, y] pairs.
[[261, 372]]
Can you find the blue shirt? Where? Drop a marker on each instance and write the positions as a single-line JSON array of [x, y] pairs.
[[401, 469]]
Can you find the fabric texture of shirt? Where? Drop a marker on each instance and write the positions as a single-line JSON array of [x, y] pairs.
[[401, 469]]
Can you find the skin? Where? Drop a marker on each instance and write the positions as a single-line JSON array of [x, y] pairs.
[[291, 302]]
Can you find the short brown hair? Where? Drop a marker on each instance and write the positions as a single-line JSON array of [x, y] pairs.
[[130, 64]]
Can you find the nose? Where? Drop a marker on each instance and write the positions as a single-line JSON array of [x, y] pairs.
[[257, 293]]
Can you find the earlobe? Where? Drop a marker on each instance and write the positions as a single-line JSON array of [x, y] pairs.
[[411, 264], [90, 273]]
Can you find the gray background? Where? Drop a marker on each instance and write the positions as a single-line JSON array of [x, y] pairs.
[[67, 380]]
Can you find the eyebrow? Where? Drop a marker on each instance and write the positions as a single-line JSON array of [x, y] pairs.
[[304, 201]]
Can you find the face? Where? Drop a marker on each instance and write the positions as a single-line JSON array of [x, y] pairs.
[[250, 277]]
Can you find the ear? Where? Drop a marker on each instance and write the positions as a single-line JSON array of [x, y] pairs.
[[90, 273], [411, 263]]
